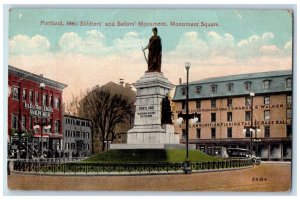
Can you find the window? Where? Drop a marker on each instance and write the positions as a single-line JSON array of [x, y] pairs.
[[36, 98], [198, 89], [213, 133], [31, 96], [87, 124], [87, 135], [288, 83], [14, 121], [213, 88], [73, 146], [183, 105], [198, 104], [67, 133], [213, 117], [24, 95], [23, 122], [247, 86], [267, 114], [198, 133], [247, 116], [56, 103], [183, 91], [213, 103], [83, 135], [247, 132], [57, 127], [78, 134], [82, 123], [44, 99], [267, 100], [289, 130], [67, 146], [15, 93], [230, 87], [50, 101], [50, 124], [77, 122], [229, 103], [289, 99], [73, 134], [87, 146], [266, 84], [247, 101], [267, 131], [229, 116], [289, 113], [183, 133], [199, 117], [30, 123], [229, 132]]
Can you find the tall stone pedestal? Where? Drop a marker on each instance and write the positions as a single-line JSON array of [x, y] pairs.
[[148, 132]]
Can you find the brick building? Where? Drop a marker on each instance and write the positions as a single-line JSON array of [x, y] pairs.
[[34, 102], [77, 136], [228, 118]]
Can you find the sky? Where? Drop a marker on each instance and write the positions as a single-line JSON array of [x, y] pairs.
[[239, 41]]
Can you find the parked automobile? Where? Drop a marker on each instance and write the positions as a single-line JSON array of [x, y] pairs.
[[242, 153]]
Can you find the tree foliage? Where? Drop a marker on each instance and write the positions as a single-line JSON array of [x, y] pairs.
[[107, 107]]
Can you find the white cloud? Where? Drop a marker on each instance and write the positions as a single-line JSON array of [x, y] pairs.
[[288, 47], [93, 43], [257, 46], [267, 37], [191, 46], [25, 45], [270, 50], [69, 42], [129, 42]]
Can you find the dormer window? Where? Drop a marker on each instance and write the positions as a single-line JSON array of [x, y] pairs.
[[266, 84], [288, 83], [198, 89], [183, 91], [247, 85], [230, 87], [213, 88]]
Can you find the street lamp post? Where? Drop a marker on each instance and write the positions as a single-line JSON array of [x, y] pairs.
[[253, 128], [194, 116], [187, 67], [252, 94], [42, 86]]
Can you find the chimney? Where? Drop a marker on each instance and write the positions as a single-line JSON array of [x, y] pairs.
[[179, 81], [121, 82]]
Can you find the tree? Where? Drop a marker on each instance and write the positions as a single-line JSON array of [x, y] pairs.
[[72, 107], [106, 107]]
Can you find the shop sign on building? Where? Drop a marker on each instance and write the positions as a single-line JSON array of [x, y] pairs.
[[38, 111]]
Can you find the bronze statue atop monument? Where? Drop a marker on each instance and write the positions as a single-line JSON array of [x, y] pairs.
[[154, 52]]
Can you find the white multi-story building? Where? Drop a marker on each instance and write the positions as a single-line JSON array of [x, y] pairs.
[[77, 136]]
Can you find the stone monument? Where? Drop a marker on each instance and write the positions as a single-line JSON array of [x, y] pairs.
[[150, 130]]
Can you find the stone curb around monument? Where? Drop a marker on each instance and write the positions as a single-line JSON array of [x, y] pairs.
[[127, 173]]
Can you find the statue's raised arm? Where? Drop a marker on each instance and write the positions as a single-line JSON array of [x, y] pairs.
[[154, 52]]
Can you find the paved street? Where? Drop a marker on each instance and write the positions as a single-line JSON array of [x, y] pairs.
[[265, 177]]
